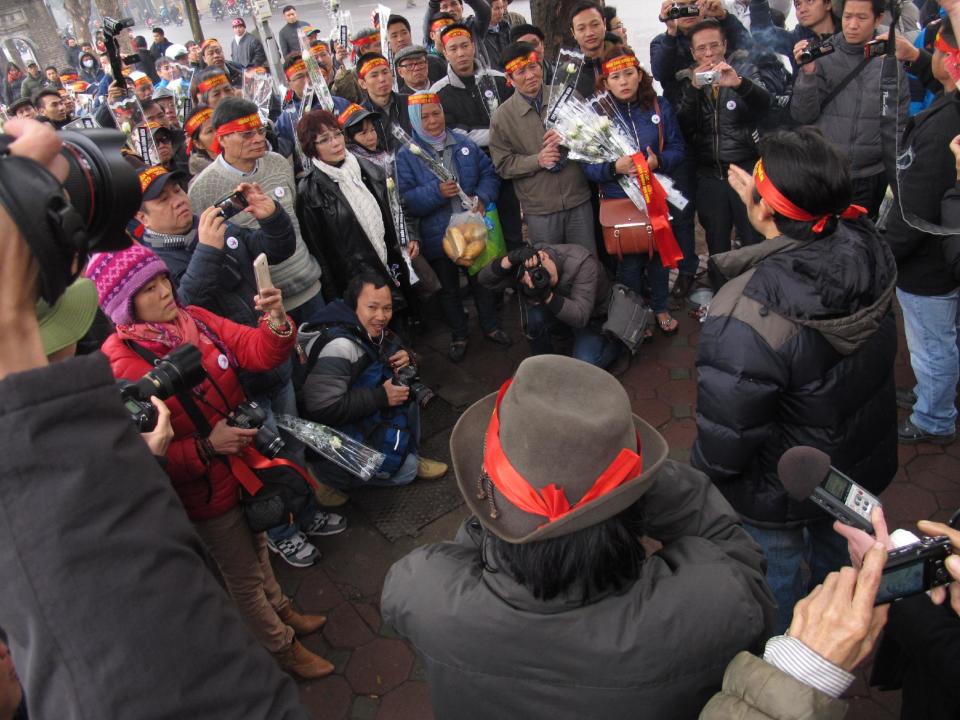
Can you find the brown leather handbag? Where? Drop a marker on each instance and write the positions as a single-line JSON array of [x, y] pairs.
[[626, 229]]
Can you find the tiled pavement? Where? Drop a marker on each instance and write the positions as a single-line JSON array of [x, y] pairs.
[[377, 675]]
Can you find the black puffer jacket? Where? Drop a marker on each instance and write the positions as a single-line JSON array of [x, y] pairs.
[[723, 130], [469, 102], [334, 236], [798, 349]]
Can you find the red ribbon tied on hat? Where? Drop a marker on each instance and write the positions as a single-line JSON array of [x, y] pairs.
[[656, 199], [779, 202], [550, 501]]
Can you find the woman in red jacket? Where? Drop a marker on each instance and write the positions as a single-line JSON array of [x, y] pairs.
[[136, 294]]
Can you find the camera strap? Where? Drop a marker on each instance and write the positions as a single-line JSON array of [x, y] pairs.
[[831, 96], [52, 228], [187, 402]]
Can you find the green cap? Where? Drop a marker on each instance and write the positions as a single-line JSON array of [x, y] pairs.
[[70, 317]]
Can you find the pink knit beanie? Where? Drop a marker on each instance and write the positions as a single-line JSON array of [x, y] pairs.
[[121, 275]]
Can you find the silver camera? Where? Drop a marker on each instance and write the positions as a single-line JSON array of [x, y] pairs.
[[708, 77]]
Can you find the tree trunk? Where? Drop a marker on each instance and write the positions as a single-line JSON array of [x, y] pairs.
[[79, 12], [109, 8], [553, 17], [193, 17]]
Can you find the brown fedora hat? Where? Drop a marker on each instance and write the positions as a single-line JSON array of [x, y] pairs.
[[563, 423]]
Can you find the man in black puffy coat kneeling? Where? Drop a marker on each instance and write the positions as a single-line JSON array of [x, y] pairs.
[[798, 348]]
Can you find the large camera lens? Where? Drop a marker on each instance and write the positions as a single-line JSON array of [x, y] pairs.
[[180, 370], [103, 187]]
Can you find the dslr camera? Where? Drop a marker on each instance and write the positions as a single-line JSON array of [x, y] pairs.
[[251, 416], [875, 48], [174, 373], [677, 11], [815, 50], [539, 278], [407, 376]]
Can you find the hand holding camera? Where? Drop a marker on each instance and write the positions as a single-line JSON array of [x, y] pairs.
[[518, 257], [212, 228], [396, 394], [939, 594], [803, 55], [259, 204], [226, 439], [159, 439]]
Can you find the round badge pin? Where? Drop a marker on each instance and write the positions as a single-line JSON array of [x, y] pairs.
[[279, 192], [731, 105], [233, 243], [223, 362], [655, 119], [465, 151], [488, 93]]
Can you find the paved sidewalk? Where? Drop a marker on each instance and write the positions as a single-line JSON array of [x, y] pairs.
[[378, 676]]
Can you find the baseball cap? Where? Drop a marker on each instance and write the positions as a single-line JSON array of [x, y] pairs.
[[408, 51], [69, 318], [238, 22], [154, 179]]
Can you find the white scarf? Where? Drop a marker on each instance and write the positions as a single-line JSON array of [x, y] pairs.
[[360, 200]]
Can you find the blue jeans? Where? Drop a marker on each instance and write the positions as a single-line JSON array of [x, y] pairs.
[[932, 326], [785, 548], [306, 312], [630, 272], [589, 343], [302, 520]]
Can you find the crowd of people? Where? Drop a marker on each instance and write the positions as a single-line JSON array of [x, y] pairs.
[[823, 170]]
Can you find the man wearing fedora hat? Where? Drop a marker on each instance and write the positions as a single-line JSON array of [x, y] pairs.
[[546, 604]]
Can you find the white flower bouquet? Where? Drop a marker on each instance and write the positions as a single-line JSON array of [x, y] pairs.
[[354, 457]]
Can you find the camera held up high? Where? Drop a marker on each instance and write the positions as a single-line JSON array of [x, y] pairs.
[[174, 373]]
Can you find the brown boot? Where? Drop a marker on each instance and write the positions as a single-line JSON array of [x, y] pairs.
[[299, 661], [301, 624]]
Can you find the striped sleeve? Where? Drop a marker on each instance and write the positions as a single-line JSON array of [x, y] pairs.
[[801, 663]]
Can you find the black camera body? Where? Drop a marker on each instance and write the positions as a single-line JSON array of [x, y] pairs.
[[407, 376], [179, 370], [232, 204], [875, 48], [677, 11], [540, 279], [813, 51], [914, 569], [250, 416]]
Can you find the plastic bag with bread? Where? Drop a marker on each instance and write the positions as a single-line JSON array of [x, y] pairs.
[[465, 239]]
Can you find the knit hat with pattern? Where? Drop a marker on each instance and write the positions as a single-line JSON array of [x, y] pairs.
[[121, 275]]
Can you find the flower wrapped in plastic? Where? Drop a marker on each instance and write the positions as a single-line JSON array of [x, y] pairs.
[[258, 89], [566, 74], [354, 457], [317, 82], [442, 174]]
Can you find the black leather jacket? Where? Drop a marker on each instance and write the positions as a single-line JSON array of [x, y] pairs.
[[723, 130], [333, 235]]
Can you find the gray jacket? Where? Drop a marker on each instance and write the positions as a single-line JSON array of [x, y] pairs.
[[852, 120], [583, 288], [146, 633], [657, 649]]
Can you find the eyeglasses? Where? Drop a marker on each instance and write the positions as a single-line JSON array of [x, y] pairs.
[[327, 139], [247, 135], [412, 64], [711, 47]]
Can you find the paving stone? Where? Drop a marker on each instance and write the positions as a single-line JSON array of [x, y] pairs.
[[682, 411], [909, 503], [379, 666], [680, 434], [327, 699], [676, 356], [949, 501], [370, 615], [677, 392], [906, 453], [362, 562], [317, 593], [345, 628], [946, 466], [364, 708], [653, 411], [679, 373], [410, 701], [929, 449]]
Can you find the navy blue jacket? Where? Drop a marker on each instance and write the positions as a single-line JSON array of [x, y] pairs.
[[641, 127], [420, 188]]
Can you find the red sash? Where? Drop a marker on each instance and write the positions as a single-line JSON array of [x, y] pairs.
[[656, 199]]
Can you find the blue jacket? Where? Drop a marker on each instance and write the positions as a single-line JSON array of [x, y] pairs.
[[640, 126], [420, 189], [286, 124]]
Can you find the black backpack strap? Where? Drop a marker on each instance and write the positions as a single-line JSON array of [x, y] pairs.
[[189, 405], [831, 96]]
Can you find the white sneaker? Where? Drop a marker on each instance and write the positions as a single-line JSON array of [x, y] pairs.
[[325, 523], [296, 550]]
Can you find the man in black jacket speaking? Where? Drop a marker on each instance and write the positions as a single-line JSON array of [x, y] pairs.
[[798, 349]]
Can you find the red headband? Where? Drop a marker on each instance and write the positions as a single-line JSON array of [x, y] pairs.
[[550, 501], [298, 66], [425, 98], [371, 65], [207, 43], [67, 78], [197, 119], [351, 110], [621, 62], [366, 40], [441, 23], [455, 33], [248, 122], [521, 62], [212, 82], [779, 202]]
